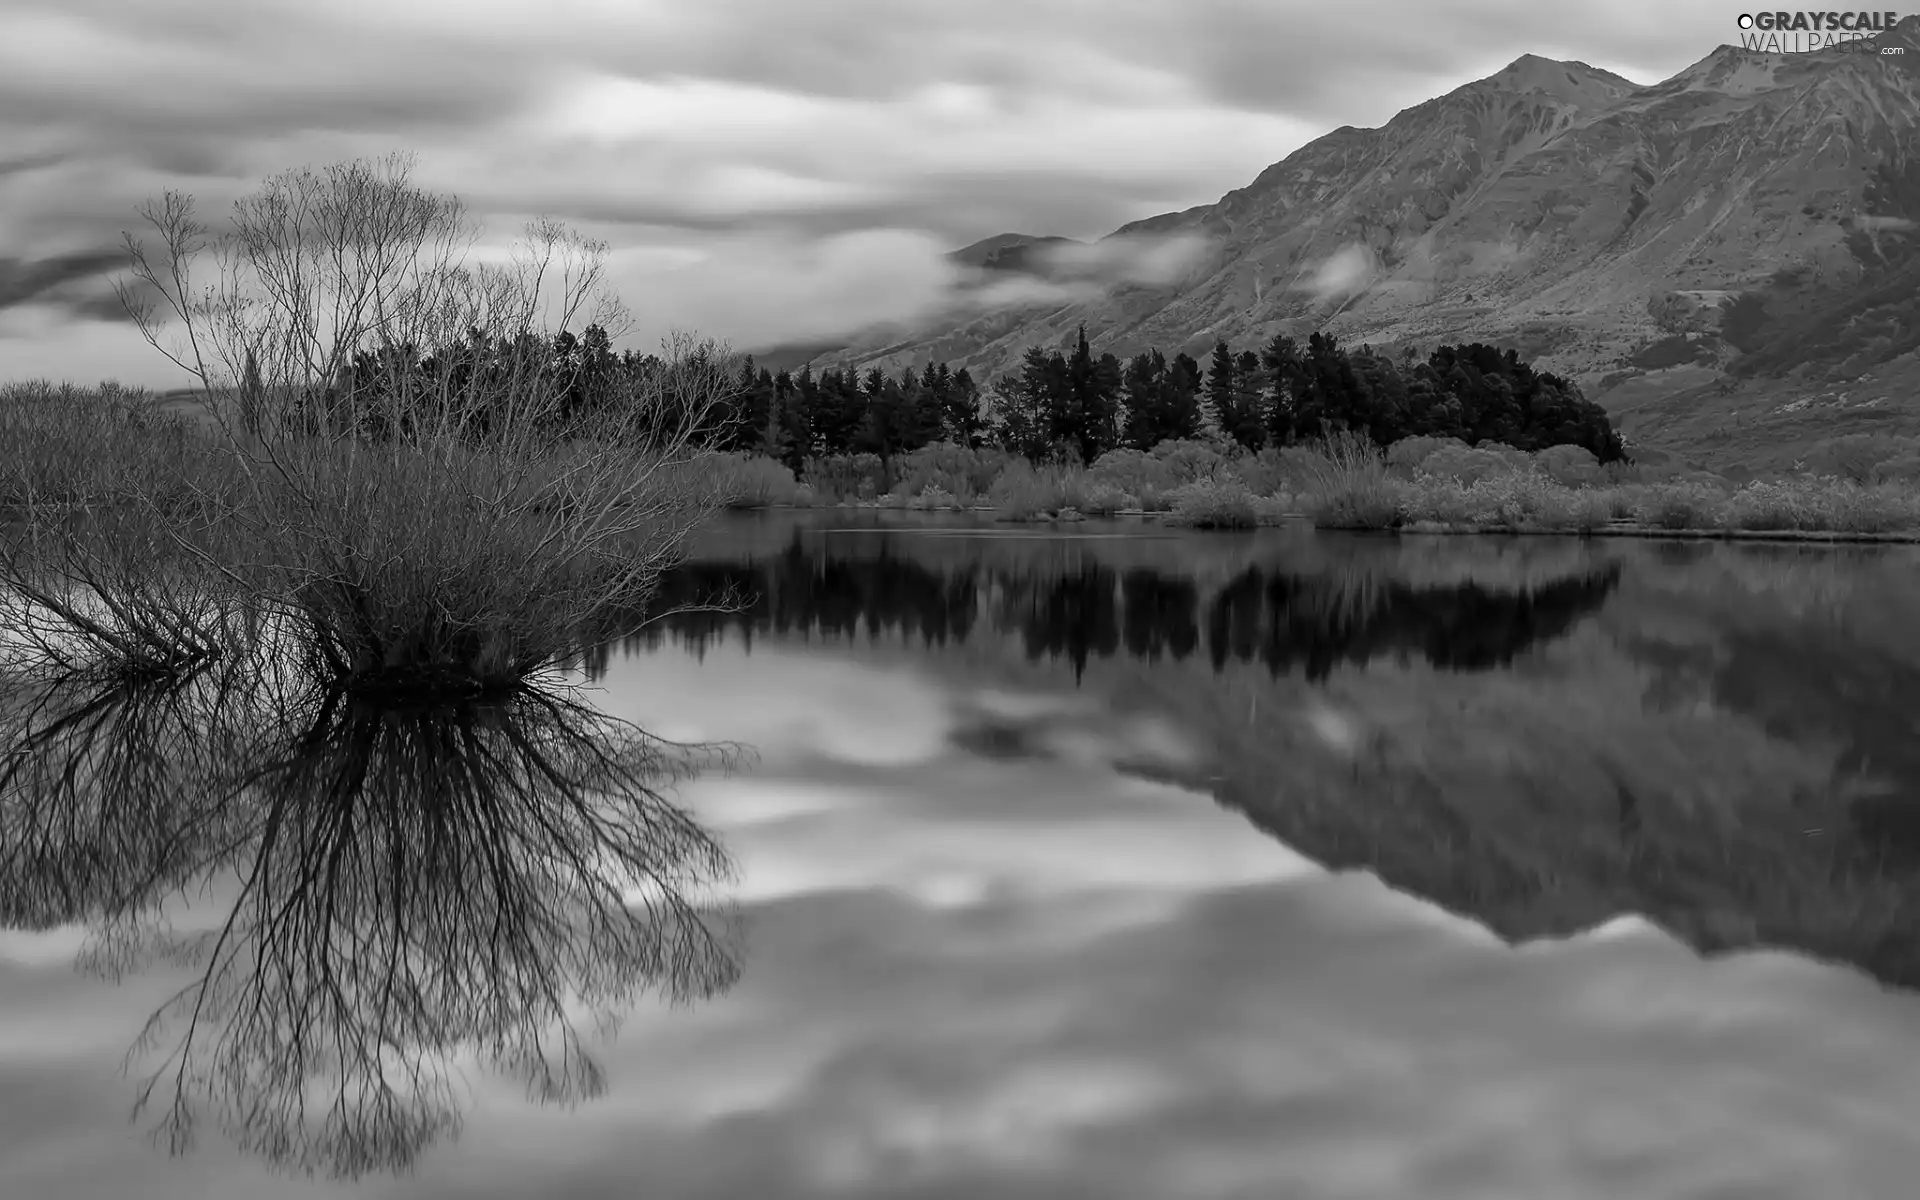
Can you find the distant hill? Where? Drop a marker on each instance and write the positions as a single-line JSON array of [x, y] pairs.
[[1764, 424], [1009, 252], [791, 356], [1755, 218]]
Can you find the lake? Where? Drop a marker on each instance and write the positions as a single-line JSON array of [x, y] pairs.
[[1099, 860]]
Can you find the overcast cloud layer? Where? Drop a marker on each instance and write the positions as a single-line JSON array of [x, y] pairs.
[[765, 170]]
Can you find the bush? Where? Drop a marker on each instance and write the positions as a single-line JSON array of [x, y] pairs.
[[1272, 510], [1024, 492], [1347, 485], [1406, 455], [1468, 464], [936, 499], [1680, 505], [1370, 506], [1133, 471], [1761, 506], [1189, 461], [1512, 501], [1155, 499], [841, 477], [1577, 510], [1266, 473], [752, 481], [1569, 466], [1103, 500], [1812, 503], [959, 471], [1208, 505]]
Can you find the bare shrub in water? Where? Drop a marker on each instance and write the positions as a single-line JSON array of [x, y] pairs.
[[458, 515], [411, 886], [105, 591]]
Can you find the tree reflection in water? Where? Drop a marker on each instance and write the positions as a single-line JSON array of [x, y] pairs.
[[1310, 620], [405, 886]]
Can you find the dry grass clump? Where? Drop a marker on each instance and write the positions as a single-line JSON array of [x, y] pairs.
[[1346, 485], [75, 447]]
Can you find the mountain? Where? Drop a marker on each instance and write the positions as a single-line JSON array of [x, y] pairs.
[[791, 356], [1757, 211], [1001, 256], [1021, 252]]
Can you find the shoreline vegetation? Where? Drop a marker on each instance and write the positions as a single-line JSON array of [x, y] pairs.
[[1418, 486], [86, 448]]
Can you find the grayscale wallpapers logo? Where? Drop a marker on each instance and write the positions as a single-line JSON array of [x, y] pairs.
[[1798, 32]]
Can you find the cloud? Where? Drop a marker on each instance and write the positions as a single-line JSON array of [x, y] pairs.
[[1345, 273], [758, 133], [1058, 274], [759, 289], [1126, 258], [21, 163], [23, 280]]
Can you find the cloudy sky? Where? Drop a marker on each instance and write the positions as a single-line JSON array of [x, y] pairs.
[[764, 170]]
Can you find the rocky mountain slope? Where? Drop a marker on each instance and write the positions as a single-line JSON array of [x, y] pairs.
[[1756, 212]]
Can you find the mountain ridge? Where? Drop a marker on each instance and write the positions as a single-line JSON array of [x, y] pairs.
[[1554, 206]]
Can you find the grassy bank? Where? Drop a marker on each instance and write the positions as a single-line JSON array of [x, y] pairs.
[[1421, 485]]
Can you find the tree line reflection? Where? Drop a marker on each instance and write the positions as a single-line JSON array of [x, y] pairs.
[[1311, 622], [400, 888]]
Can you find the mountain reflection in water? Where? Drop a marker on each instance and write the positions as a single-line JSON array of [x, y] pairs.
[[397, 890], [1004, 943], [1420, 708]]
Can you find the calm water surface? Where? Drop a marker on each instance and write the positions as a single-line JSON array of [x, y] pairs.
[[1091, 862]]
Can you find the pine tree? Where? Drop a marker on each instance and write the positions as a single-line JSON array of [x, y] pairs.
[[1104, 405], [1185, 412], [1216, 413], [1248, 402], [965, 422], [1285, 381]]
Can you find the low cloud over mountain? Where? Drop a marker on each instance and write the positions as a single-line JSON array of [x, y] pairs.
[[764, 170]]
